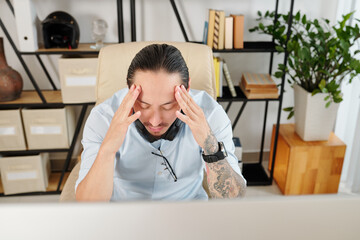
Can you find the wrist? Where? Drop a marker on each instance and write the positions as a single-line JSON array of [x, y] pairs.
[[211, 149], [219, 155], [105, 151]]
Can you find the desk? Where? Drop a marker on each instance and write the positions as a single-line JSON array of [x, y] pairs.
[[309, 167]]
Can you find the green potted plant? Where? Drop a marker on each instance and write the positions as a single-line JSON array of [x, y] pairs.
[[320, 58]]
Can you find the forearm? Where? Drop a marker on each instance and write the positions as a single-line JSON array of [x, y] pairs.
[[223, 181], [98, 183]]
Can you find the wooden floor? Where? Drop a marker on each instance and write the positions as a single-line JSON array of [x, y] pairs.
[[53, 182]]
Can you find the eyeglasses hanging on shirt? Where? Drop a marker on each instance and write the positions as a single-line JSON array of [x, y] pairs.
[[166, 164]]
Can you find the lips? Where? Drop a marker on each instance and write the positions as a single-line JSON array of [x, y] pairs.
[[158, 129]]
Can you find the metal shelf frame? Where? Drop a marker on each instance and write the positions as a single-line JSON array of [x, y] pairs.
[[46, 104], [255, 172]]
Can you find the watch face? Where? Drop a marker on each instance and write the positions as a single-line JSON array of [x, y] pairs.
[[223, 149]]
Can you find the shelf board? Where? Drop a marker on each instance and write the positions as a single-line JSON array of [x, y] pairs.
[[240, 96], [51, 189], [31, 98], [83, 48], [251, 47], [29, 152]]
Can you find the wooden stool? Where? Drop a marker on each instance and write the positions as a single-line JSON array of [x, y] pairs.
[[306, 167]]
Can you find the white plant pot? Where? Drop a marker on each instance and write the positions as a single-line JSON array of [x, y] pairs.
[[313, 121]]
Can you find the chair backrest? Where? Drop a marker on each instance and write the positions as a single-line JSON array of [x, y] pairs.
[[114, 61], [113, 64]]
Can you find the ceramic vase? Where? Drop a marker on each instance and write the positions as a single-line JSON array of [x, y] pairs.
[[313, 121], [11, 83]]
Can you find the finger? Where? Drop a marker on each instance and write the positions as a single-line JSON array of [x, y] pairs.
[[182, 117], [183, 105], [188, 99], [133, 94], [133, 117]]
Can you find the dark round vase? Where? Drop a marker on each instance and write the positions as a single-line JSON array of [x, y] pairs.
[[11, 83]]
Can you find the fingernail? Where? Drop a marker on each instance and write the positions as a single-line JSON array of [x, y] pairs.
[[183, 87]]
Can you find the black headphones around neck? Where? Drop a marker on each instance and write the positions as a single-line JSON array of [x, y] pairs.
[[170, 134]]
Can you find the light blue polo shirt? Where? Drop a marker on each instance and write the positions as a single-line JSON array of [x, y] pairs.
[[141, 175]]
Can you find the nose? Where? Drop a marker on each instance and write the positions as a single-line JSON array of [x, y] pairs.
[[155, 119]]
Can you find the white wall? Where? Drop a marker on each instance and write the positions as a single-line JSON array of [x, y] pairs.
[[156, 21]]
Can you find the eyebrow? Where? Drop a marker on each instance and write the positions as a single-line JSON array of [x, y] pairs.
[[160, 104]]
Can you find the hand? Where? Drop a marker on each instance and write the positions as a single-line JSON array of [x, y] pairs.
[[123, 117], [195, 118]]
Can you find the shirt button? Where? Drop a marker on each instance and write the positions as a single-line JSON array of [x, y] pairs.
[[159, 173]]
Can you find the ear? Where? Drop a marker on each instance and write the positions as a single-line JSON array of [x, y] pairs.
[[189, 84]]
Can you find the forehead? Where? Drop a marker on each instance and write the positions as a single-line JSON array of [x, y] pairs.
[[157, 86]]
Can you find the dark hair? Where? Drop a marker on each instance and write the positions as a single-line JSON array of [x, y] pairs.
[[156, 57]]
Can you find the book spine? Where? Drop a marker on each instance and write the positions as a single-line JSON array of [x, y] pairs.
[[216, 30], [205, 32], [222, 30], [229, 80], [210, 36], [221, 76], [229, 32], [238, 31], [217, 65]]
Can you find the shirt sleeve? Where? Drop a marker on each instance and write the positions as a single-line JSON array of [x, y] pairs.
[[94, 132]]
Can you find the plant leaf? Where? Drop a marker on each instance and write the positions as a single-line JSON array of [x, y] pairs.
[[279, 49], [291, 114]]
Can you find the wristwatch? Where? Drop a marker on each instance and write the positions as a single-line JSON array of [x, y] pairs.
[[219, 155]]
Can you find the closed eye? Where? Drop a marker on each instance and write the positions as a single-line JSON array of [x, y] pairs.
[[144, 106], [168, 107]]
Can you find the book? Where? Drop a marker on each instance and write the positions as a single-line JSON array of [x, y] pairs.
[[238, 33], [221, 77], [205, 32], [228, 33], [216, 30], [222, 30], [257, 80], [259, 90], [229, 80], [211, 23], [262, 95], [217, 83]]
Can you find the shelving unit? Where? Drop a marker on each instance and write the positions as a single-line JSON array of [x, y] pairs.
[[254, 173], [50, 99]]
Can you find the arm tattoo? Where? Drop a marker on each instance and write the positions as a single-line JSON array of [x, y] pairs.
[[211, 144], [222, 180]]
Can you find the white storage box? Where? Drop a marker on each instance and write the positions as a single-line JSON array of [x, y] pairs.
[[11, 131], [78, 79], [25, 173], [49, 128]]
